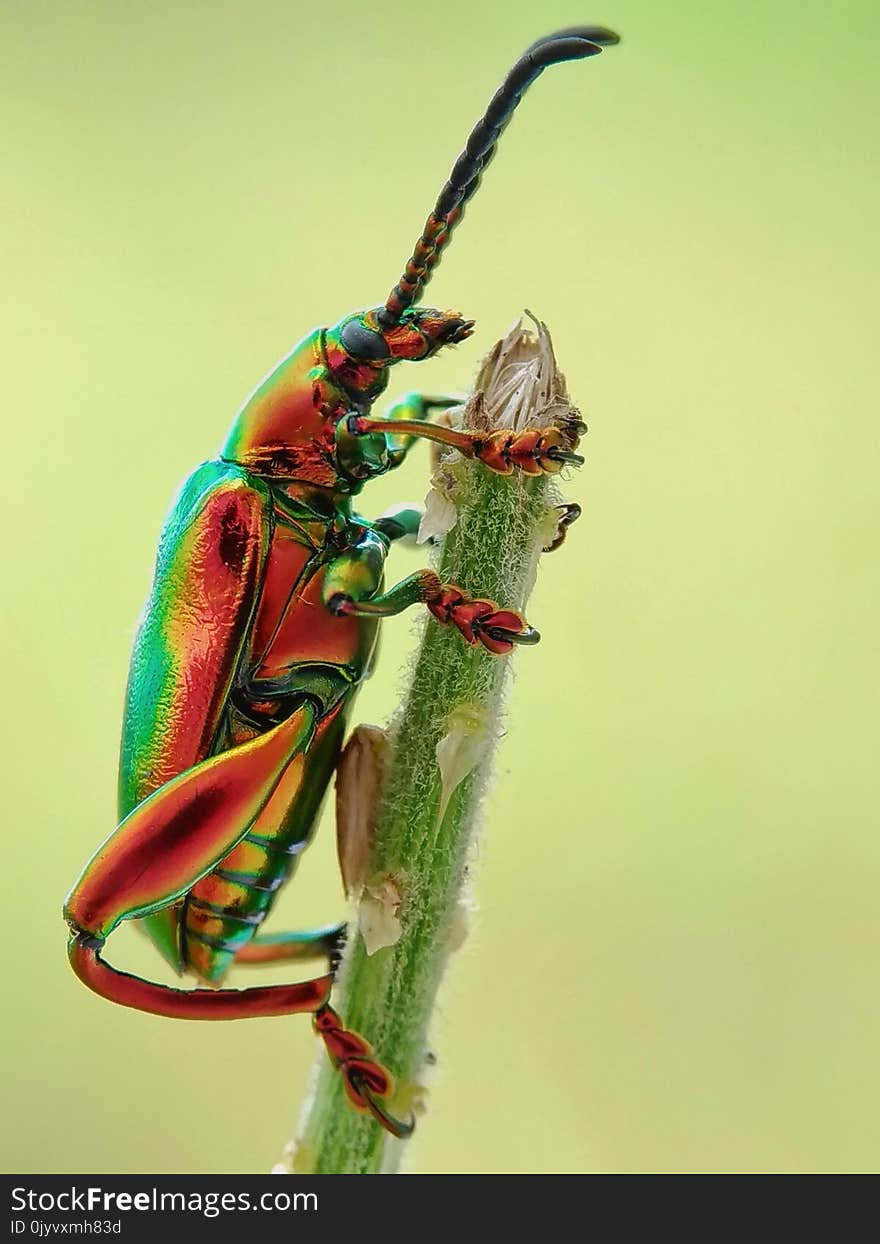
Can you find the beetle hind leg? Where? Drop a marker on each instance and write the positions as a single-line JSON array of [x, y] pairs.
[[84, 951], [158, 854], [366, 1081]]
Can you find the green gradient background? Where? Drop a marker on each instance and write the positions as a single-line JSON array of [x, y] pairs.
[[675, 966]]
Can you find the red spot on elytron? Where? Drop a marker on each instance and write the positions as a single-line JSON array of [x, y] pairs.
[[233, 545]]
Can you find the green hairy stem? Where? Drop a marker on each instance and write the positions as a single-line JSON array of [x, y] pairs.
[[436, 774]]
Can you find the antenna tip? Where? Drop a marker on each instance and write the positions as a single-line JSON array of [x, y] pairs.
[[600, 35]]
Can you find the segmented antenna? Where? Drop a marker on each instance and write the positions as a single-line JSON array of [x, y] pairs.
[[573, 43]]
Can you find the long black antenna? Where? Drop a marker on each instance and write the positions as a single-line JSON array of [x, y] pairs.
[[573, 43]]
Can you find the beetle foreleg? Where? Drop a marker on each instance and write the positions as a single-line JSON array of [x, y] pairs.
[[533, 451], [127, 990]]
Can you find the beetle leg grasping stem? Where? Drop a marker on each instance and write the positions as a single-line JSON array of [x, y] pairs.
[[365, 1080], [479, 621], [532, 451]]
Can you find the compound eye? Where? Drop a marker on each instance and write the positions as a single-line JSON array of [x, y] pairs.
[[363, 343]]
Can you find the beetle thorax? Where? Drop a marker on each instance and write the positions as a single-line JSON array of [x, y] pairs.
[[286, 428]]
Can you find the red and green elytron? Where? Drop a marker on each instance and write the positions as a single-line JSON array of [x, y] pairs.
[[261, 625]]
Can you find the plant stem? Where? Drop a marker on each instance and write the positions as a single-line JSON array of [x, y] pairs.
[[427, 817]]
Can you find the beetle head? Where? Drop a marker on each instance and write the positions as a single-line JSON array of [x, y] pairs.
[[361, 347]]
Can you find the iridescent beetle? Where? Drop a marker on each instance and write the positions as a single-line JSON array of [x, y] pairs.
[[260, 627]]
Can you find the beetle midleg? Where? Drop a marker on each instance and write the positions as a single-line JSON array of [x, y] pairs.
[[478, 620], [418, 588], [400, 522]]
